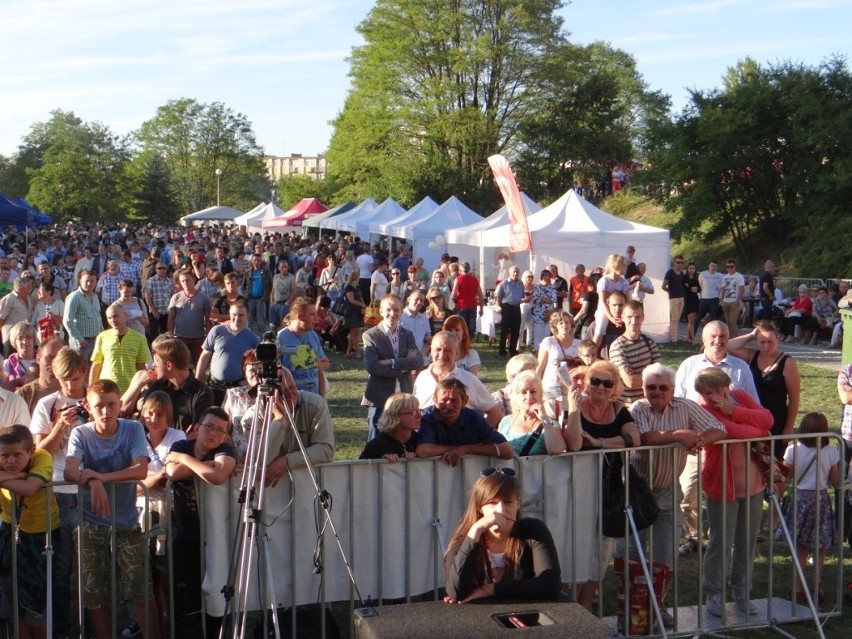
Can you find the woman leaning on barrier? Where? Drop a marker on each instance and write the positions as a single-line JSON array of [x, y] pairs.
[[495, 552], [533, 426], [733, 489], [605, 423]]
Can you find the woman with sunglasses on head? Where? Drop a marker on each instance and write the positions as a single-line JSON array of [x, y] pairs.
[[495, 552], [605, 423]]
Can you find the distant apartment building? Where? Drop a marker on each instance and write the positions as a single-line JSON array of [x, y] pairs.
[[277, 166]]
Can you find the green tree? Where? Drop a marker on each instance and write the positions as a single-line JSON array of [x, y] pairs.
[[591, 110], [194, 140], [74, 169], [293, 188], [437, 87], [764, 156], [149, 192]]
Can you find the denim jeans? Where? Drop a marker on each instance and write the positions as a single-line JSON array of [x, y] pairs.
[[63, 561], [277, 313], [257, 316]]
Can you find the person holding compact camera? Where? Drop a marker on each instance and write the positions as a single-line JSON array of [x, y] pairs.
[[54, 417]]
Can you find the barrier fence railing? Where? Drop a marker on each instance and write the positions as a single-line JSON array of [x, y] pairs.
[[395, 521]]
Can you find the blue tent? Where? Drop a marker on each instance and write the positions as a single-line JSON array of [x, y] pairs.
[[13, 214], [41, 218]]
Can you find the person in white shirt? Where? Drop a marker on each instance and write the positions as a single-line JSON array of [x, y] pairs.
[[643, 284], [731, 296], [417, 322], [710, 282]]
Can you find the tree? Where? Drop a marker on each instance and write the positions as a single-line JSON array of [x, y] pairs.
[[293, 188], [767, 155], [193, 141], [74, 169], [149, 191], [591, 110], [437, 88]]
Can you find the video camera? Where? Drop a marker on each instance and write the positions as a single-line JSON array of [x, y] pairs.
[[266, 353]]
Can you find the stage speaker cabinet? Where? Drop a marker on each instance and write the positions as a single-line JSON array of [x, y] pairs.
[[480, 619]]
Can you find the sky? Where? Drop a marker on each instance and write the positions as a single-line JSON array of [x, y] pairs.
[[283, 63]]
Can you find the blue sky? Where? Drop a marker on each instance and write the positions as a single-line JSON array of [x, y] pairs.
[[282, 63]]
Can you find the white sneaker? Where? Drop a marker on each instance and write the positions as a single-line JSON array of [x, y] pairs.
[[746, 606], [714, 605]]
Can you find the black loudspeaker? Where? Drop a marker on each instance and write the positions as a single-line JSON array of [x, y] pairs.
[[483, 619]]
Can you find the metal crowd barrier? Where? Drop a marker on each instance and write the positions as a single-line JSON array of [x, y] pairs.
[[395, 521]]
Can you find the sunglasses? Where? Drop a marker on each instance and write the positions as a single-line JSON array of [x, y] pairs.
[[597, 381], [657, 387], [505, 471]]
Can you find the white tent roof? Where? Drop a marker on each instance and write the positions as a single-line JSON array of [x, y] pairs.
[[268, 212], [351, 216], [212, 214], [243, 219], [572, 221], [451, 214], [573, 231], [470, 234], [360, 222], [423, 207]]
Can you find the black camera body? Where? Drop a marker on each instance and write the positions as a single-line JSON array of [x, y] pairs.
[[266, 353], [83, 414]]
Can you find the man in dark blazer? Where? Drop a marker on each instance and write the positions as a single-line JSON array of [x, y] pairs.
[[390, 356]]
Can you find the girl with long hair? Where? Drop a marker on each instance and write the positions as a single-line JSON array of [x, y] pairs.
[[495, 552]]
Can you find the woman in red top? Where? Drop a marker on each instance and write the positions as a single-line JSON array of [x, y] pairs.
[[797, 315], [733, 489]]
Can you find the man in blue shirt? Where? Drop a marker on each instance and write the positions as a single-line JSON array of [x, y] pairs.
[[257, 285], [451, 431], [510, 293]]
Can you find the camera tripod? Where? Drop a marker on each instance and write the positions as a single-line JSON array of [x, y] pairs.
[[251, 543]]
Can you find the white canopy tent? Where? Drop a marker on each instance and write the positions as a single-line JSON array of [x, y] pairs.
[[344, 220], [466, 243], [243, 219], [573, 231], [211, 214], [422, 208], [268, 212], [426, 231]]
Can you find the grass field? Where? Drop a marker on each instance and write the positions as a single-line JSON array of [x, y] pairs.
[[348, 379]]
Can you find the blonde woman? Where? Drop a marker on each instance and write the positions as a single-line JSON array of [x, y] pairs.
[[533, 427]]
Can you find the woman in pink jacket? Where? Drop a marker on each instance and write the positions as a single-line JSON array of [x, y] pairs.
[[733, 489]]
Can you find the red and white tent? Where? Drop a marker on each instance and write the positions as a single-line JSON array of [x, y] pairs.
[[306, 208]]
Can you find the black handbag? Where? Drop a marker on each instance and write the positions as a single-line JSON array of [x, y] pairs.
[[340, 306], [642, 501]]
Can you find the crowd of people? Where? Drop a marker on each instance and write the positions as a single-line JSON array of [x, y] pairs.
[[130, 355]]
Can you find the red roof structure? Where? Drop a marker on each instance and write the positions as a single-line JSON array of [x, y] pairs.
[[306, 208]]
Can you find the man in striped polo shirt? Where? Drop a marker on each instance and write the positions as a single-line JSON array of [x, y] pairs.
[[632, 352], [665, 419]]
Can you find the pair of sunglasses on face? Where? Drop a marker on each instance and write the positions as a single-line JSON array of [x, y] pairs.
[[597, 381]]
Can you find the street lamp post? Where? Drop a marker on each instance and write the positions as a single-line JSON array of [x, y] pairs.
[[218, 186]]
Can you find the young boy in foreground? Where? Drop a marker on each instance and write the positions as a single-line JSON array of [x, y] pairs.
[[101, 453], [209, 458], [23, 473]]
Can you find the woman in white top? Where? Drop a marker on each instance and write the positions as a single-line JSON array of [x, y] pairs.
[[135, 309], [329, 279], [554, 351]]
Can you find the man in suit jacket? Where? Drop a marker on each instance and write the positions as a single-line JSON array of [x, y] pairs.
[[390, 356]]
